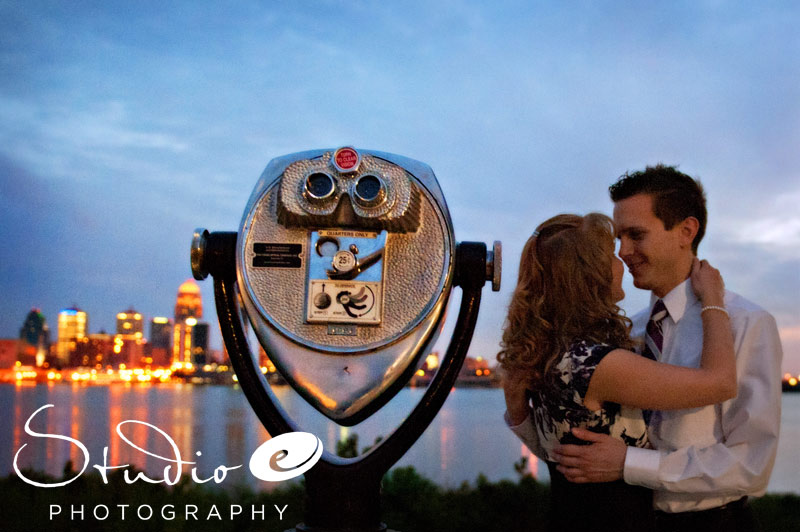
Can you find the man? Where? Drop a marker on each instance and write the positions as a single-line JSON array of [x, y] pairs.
[[706, 461]]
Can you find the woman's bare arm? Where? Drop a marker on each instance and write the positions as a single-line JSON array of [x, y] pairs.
[[630, 379], [515, 385]]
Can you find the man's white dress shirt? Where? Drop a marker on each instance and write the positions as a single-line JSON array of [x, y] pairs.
[[706, 457]]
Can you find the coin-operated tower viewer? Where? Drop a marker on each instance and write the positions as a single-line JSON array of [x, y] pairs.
[[343, 264]]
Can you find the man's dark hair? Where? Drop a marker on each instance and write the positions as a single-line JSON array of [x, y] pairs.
[[676, 196]]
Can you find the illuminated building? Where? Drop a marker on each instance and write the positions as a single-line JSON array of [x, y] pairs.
[[200, 344], [426, 371], [432, 362], [268, 368], [129, 349], [130, 323], [34, 340], [94, 351], [476, 372], [160, 341], [160, 332], [189, 303], [72, 325], [475, 367], [8, 352], [188, 310]]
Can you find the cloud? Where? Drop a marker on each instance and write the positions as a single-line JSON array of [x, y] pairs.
[[57, 140], [774, 224], [779, 232], [764, 270], [138, 125]]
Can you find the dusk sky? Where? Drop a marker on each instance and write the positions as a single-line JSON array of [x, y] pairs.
[[125, 125]]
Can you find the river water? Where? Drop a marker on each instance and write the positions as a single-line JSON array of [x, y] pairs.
[[467, 438]]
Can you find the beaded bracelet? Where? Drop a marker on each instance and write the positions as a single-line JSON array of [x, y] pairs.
[[714, 307]]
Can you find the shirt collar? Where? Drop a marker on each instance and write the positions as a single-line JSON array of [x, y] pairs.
[[677, 300]]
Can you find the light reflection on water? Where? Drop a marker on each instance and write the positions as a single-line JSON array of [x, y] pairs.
[[467, 438]]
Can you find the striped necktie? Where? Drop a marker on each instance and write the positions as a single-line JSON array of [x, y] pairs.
[[654, 341], [654, 334]]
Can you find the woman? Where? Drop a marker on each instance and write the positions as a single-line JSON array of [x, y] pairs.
[[569, 363]]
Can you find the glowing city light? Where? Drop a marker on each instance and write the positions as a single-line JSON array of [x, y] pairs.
[[432, 361]]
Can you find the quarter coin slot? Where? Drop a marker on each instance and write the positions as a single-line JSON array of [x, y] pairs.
[[327, 246]]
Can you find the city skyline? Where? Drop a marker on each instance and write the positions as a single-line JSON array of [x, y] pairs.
[[123, 127], [180, 342], [115, 329]]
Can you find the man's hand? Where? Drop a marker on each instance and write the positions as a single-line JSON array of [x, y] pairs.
[[602, 461]]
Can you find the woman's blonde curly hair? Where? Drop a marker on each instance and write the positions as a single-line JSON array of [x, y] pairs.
[[564, 293]]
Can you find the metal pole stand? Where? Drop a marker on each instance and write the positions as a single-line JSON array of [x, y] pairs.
[[343, 495]]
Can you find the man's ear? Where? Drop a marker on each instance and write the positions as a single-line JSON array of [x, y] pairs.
[[687, 230]]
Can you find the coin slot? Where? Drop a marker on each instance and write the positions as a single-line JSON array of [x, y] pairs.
[[327, 246]]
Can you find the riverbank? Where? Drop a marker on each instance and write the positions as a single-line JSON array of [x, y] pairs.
[[410, 503]]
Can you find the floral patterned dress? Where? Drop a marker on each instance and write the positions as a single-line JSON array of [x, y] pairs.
[[557, 408]]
